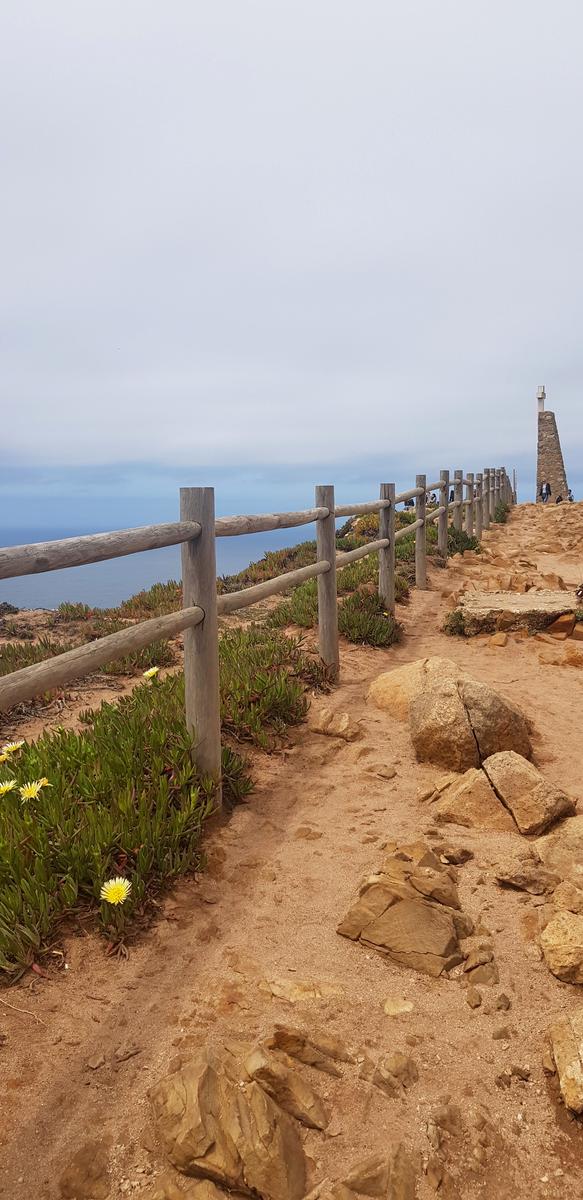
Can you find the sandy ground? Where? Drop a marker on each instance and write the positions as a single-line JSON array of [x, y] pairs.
[[282, 872]]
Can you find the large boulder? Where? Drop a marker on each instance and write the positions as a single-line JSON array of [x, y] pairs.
[[410, 911], [394, 690], [216, 1123], [471, 801], [534, 803], [562, 946], [459, 723], [566, 1037]]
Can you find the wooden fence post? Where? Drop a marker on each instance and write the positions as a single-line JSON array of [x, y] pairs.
[[479, 505], [327, 596], [387, 556], [469, 522], [201, 644], [421, 534], [458, 494], [486, 499], [514, 491], [497, 474], [492, 500], [442, 520]]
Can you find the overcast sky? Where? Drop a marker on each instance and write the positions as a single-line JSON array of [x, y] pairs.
[[288, 235]]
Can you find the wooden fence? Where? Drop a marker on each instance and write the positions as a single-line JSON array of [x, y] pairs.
[[196, 532]]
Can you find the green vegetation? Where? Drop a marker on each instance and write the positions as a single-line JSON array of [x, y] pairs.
[[14, 655], [458, 541], [579, 614], [362, 618], [501, 512], [454, 624], [123, 797]]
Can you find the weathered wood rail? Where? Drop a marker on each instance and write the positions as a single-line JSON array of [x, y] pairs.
[[196, 533]]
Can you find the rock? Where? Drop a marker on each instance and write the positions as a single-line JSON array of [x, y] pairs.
[[484, 612], [486, 973], [476, 958], [416, 935], [167, 1189], [334, 724], [410, 911], [395, 1007], [473, 803], [403, 1175], [562, 850], [449, 1118], [314, 1049], [86, 1177], [394, 1073], [534, 803], [96, 1062], [568, 897], [503, 1002], [496, 724], [394, 690], [457, 855], [434, 1172], [501, 1034], [370, 1177], [287, 1088], [562, 945], [473, 997], [498, 639], [527, 877], [214, 1124], [566, 1036], [563, 625], [520, 1072], [300, 989], [440, 728]]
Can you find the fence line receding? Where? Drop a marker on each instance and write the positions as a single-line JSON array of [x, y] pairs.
[[196, 532]]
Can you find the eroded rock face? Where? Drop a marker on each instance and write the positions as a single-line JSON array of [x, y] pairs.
[[534, 803], [410, 911], [459, 723], [562, 946], [217, 1123], [496, 724], [566, 1038], [287, 1087]]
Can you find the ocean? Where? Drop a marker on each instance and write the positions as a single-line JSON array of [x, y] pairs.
[[106, 584]]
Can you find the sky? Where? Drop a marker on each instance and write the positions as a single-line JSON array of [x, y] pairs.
[[263, 245]]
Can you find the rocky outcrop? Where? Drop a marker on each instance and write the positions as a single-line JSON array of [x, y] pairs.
[[472, 801], [562, 946], [410, 912], [394, 691], [216, 1122], [562, 850], [459, 724], [486, 611]]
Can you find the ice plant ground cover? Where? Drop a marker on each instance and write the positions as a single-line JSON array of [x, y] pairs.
[[122, 799]]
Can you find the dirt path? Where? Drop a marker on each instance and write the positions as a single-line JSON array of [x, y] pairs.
[[282, 873]]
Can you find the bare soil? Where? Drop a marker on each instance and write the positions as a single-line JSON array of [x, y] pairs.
[[88, 1041]]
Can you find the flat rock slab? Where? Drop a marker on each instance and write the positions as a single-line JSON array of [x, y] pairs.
[[485, 612]]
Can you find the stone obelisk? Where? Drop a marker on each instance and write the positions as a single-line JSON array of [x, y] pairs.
[[549, 463]]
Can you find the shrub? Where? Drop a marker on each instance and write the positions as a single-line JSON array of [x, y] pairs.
[[74, 612], [362, 618], [14, 656], [458, 541], [501, 512], [454, 624], [263, 682]]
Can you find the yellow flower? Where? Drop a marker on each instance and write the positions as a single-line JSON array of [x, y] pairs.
[[31, 791], [151, 673], [3, 758], [115, 891], [7, 786], [12, 747]]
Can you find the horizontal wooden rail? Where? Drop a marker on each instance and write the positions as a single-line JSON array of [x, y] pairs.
[[434, 487], [435, 515], [262, 522], [349, 556], [232, 601], [402, 533], [56, 672], [95, 547], [357, 510], [410, 495]]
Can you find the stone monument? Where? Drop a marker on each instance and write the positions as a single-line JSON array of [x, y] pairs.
[[549, 464]]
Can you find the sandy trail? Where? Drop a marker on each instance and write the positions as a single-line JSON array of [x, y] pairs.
[[282, 872]]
